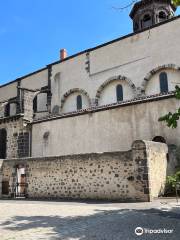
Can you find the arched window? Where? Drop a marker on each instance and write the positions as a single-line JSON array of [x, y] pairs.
[[136, 26], [35, 104], [162, 16], [7, 110], [79, 102], [119, 92], [147, 21], [163, 82]]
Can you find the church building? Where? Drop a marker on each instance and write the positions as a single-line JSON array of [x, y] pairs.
[[86, 126]]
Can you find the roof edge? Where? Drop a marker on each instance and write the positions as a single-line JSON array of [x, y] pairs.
[[115, 40], [25, 76], [91, 49]]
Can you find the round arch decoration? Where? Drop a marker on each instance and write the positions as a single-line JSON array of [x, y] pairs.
[[112, 79], [159, 139], [154, 71], [163, 9], [36, 93], [146, 12], [5, 104], [71, 91]]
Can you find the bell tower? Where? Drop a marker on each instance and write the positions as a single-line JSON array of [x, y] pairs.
[[147, 13]]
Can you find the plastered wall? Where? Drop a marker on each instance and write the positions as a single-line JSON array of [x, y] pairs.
[[8, 91], [133, 57], [108, 130]]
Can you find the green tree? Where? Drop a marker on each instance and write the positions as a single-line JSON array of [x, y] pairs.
[[173, 180], [176, 2], [171, 119]]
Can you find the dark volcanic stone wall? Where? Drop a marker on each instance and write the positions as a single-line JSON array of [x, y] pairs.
[[135, 175]]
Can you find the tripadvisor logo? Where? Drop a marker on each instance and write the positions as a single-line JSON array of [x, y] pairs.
[[140, 231]]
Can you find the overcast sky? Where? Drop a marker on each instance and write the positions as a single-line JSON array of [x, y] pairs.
[[33, 31]]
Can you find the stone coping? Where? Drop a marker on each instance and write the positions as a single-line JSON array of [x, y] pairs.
[[134, 101]]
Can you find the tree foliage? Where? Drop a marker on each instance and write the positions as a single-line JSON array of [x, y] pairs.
[[171, 119], [176, 2], [173, 180]]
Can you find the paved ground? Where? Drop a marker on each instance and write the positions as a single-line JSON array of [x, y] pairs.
[[30, 220]]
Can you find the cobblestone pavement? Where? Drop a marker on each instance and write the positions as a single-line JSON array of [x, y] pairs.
[[31, 220]]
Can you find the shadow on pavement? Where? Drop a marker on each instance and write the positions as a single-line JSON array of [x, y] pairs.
[[103, 225]]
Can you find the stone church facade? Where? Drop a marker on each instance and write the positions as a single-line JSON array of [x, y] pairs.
[[87, 125]]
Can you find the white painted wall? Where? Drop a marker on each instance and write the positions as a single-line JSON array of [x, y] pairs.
[[35, 81], [72, 74], [153, 86], [70, 104], [42, 102], [8, 91], [13, 107], [132, 57], [108, 94], [109, 130]]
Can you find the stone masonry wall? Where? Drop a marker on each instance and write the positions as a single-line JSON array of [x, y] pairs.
[[17, 138], [120, 176], [28, 97]]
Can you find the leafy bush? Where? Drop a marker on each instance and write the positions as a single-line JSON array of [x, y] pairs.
[[172, 181], [176, 2], [171, 119]]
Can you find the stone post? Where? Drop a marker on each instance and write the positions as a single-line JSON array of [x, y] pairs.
[[1, 162], [139, 155], [28, 97]]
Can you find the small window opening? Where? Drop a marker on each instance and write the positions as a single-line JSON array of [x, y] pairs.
[[163, 82], [136, 26], [35, 104], [162, 16], [79, 102], [119, 93], [7, 110], [147, 21]]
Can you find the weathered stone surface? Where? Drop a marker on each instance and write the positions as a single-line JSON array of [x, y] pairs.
[[17, 139], [112, 175]]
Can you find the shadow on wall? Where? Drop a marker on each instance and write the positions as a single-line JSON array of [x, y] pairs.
[[174, 159], [103, 225]]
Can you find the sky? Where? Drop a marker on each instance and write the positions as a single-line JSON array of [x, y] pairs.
[[32, 32]]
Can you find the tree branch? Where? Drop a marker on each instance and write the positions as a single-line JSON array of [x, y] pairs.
[[124, 7]]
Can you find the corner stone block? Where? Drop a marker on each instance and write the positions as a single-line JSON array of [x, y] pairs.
[[1, 164]]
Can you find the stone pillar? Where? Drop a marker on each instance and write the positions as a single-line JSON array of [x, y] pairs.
[[1, 162], [28, 97], [139, 155]]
